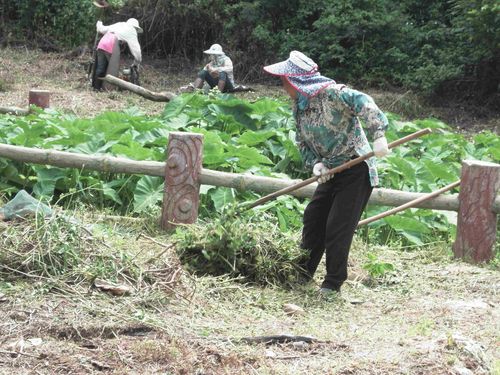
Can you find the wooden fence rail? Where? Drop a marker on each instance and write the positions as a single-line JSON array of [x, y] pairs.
[[259, 184], [183, 175]]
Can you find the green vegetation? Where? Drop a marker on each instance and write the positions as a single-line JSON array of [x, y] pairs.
[[241, 245], [240, 136], [62, 248]]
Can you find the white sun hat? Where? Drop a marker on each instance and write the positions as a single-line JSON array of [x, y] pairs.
[[297, 64], [135, 23], [215, 49]]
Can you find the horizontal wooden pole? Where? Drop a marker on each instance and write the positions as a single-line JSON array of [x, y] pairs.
[[14, 111], [260, 184], [139, 90]]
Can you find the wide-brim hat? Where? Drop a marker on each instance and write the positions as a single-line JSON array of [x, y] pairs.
[[215, 49], [297, 64], [135, 23]]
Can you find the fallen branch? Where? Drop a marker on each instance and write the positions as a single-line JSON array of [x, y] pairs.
[[12, 353], [139, 90], [278, 339], [14, 111]]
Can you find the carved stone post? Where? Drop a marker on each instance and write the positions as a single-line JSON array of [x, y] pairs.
[[40, 98], [182, 186], [477, 223]]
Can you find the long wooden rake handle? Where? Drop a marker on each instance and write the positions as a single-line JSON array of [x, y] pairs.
[[338, 169], [408, 204]]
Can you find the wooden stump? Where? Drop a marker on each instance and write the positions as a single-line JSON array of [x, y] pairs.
[[182, 175], [477, 222], [40, 98]]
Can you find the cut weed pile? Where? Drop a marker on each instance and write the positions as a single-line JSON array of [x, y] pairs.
[[65, 252], [252, 247]]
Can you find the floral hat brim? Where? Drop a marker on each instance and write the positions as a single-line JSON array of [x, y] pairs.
[[297, 64]]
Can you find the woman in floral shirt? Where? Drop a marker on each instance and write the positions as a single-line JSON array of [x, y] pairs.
[[329, 133]]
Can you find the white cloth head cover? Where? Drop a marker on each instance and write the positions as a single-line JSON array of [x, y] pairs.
[[215, 49], [135, 23]]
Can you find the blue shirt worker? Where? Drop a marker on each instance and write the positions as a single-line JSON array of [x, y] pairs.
[[329, 133]]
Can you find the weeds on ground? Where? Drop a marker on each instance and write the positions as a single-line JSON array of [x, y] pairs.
[[63, 251]]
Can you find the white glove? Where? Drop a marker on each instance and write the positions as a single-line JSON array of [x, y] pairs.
[[320, 170], [380, 147]]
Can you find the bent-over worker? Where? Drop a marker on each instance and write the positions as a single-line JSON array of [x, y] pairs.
[[329, 134], [108, 49]]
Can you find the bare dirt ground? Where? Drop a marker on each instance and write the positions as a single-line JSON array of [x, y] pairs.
[[431, 315]]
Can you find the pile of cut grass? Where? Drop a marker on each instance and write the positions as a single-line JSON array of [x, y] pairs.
[[247, 246], [72, 254]]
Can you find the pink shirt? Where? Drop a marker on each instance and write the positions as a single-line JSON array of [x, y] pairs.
[[107, 42]]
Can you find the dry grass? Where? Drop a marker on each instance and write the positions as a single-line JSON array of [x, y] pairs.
[[431, 315], [22, 70]]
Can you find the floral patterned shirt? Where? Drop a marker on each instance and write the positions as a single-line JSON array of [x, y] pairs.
[[329, 130]]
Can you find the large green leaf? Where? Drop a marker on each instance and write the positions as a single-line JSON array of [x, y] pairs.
[[46, 181], [440, 170], [402, 223], [148, 192], [221, 197], [248, 157], [251, 138]]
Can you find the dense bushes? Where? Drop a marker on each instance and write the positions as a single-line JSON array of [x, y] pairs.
[[430, 46], [51, 23]]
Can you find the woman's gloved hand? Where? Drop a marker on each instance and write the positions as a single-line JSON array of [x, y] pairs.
[[321, 170], [380, 147]]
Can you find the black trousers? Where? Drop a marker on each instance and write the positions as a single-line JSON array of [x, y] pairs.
[[212, 82], [330, 220], [102, 61]]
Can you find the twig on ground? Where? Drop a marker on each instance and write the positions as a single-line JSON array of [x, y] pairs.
[[166, 246], [279, 339]]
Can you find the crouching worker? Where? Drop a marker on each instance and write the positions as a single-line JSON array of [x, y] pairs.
[[108, 49], [218, 72], [329, 134]]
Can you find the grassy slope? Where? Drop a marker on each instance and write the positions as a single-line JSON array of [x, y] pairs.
[[64, 76]]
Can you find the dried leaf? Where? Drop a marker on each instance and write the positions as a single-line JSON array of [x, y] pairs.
[[291, 309]]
